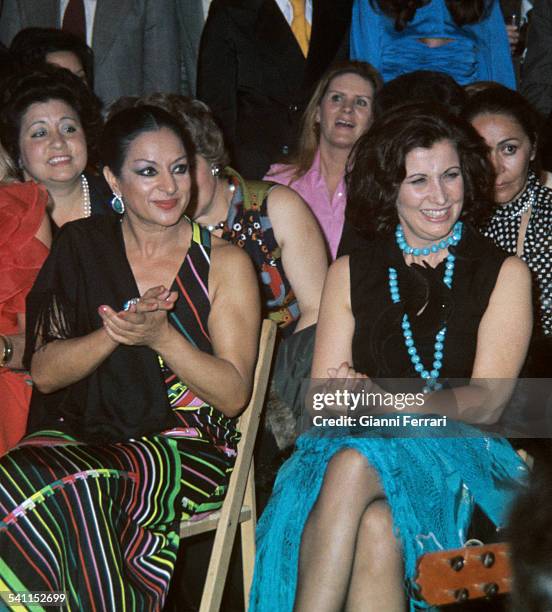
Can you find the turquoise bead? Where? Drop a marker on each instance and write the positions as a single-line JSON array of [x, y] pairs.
[[432, 376], [442, 244]]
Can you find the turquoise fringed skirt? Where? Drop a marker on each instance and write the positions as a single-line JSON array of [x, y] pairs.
[[432, 482]]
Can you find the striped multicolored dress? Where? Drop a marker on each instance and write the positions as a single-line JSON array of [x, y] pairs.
[[99, 523]]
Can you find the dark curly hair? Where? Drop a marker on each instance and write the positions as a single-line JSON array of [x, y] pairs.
[[194, 115], [462, 11], [31, 47], [48, 83], [377, 165]]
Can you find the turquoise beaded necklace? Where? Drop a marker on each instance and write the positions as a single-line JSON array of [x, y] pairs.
[[430, 376]]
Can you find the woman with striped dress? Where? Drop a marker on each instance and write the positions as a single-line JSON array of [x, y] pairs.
[[142, 349]]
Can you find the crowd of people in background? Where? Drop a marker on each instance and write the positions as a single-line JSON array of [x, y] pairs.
[[375, 176]]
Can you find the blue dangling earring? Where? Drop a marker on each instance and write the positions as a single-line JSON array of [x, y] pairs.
[[117, 204]]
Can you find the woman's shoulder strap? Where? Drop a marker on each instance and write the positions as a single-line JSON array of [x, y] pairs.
[[201, 235], [253, 191]]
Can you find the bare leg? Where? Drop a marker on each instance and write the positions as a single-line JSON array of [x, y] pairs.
[[330, 536], [377, 577]]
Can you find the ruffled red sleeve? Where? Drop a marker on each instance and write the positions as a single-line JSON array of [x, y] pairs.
[[22, 209]]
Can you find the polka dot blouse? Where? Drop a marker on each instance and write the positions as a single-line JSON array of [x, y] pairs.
[[503, 229]]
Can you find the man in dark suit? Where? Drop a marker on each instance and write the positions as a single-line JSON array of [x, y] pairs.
[[136, 43], [253, 74]]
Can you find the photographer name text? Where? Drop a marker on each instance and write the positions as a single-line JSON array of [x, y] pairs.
[[368, 420]]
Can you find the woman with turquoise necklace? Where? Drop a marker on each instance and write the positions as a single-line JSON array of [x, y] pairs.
[[429, 300]]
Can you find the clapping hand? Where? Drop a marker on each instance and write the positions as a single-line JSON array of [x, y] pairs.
[[144, 323]]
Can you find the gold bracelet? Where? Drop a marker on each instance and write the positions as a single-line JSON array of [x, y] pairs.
[[8, 351]]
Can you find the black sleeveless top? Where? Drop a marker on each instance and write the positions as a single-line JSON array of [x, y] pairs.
[[128, 394], [378, 343]]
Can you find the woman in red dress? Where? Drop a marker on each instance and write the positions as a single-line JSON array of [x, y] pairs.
[[24, 242]]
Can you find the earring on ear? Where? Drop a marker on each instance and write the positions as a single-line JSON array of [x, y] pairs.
[[216, 169], [117, 204]]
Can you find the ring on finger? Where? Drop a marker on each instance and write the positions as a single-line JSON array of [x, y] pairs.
[[131, 302]]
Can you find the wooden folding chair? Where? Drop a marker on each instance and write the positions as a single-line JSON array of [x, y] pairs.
[[239, 504]]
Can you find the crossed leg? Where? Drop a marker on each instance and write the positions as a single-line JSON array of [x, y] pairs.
[[349, 557]]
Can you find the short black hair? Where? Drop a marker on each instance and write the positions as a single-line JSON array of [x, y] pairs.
[[195, 117], [123, 127], [32, 45], [500, 100]]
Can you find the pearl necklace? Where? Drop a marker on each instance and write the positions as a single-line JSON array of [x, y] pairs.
[[213, 227], [86, 205], [430, 376], [531, 199], [452, 240]]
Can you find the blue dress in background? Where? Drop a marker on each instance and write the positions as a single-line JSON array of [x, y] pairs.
[[477, 52]]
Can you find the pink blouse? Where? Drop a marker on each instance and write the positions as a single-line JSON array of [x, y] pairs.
[[330, 212]]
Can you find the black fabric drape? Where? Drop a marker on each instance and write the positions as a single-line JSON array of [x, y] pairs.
[[125, 396]]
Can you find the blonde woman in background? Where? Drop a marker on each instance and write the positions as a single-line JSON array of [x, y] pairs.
[[339, 112]]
